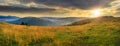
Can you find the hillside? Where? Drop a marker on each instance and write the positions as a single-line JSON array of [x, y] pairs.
[[95, 20], [46, 21], [99, 32]]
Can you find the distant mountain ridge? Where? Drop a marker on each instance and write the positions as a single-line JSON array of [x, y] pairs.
[[54, 21], [8, 18], [95, 20], [46, 21]]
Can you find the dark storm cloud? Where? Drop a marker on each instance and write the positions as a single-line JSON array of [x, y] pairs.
[[46, 6], [24, 9], [26, 1], [83, 4]]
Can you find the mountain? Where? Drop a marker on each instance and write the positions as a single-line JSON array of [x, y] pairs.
[[8, 18], [33, 21], [46, 21], [82, 22], [95, 20]]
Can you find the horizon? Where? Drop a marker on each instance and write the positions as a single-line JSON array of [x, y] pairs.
[[55, 16]]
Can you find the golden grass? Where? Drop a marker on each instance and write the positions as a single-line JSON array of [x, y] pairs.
[[24, 35]]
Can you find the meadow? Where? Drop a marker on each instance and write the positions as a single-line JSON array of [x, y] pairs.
[[99, 32]]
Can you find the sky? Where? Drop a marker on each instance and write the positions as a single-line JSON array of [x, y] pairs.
[[58, 8]]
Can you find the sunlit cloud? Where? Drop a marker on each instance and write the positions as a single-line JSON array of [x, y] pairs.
[[75, 9], [115, 4], [20, 4]]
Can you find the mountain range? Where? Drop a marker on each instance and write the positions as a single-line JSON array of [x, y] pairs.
[[8, 18], [40, 21], [46, 21], [52, 21]]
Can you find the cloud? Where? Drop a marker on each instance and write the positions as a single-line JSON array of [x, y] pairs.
[[15, 7], [115, 4], [64, 7], [18, 3], [82, 4]]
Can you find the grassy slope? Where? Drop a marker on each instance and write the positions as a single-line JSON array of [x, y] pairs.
[[100, 32]]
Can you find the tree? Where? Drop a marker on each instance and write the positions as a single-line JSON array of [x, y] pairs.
[[23, 23]]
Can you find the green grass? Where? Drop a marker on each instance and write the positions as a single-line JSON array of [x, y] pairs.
[[101, 33]]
